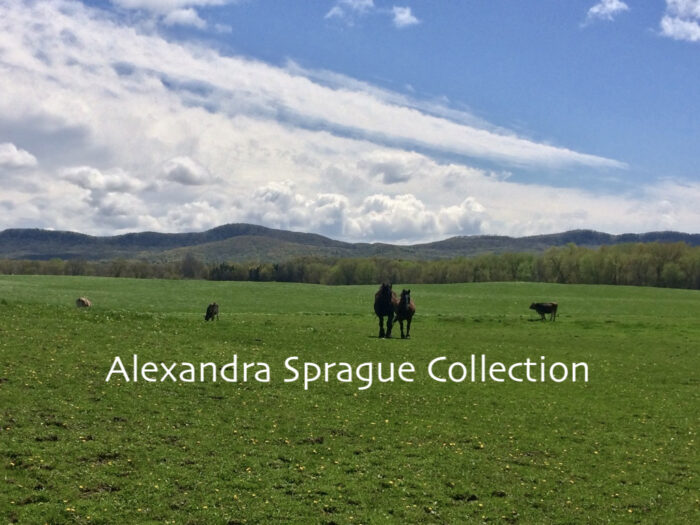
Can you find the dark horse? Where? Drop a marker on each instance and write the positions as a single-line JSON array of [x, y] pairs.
[[405, 309], [212, 311], [384, 301]]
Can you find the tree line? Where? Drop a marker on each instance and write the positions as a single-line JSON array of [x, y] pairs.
[[674, 265]]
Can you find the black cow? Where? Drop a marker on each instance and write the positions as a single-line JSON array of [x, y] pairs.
[[212, 311], [545, 308]]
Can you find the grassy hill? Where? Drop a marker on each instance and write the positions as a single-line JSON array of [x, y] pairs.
[[620, 448], [247, 242]]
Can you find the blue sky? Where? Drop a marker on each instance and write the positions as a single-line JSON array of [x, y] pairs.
[[358, 119]]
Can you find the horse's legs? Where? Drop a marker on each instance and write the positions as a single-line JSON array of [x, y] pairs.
[[389, 321], [408, 328], [381, 326], [401, 325]]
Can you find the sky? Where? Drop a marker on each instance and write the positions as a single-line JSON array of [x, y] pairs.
[[361, 120]]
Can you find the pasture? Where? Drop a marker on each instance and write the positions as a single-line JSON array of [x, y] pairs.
[[621, 448]]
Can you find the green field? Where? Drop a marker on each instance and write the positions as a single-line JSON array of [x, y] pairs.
[[75, 449]]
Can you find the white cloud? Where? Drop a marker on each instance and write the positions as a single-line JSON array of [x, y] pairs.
[[170, 137], [349, 11], [223, 29], [166, 6], [679, 29], [230, 86], [186, 171], [393, 167], [346, 8], [683, 8], [397, 217], [13, 157], [403, 17], [681, 20], [119, 210], [176, 12], [109, 200], [281, 205], [194, 216], [330, 212], [466, 218], [184, 17], [93, 179], [358, 5], [335, 12], [606, 10]]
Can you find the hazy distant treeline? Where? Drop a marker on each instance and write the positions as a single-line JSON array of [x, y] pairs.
[[674, 265]]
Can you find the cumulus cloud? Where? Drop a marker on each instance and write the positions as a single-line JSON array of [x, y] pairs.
[[193, 216], [113, 63], [186, 171], [466, 218], [393, 167], [397, 217], [119, 211], [606, 10], [403, 17], [176, 12], [93, 179], [184, 17], [349, 11], [683, 8], [166, 136], [109, 199], [681, 21], [281, 205], [223, 29], [13, 157], [330, 211], [167, 6], [680, 29]]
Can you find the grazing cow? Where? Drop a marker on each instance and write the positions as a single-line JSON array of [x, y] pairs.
[[545, 308], [212, 311], [405, 309], [83, 302], [384, 301]]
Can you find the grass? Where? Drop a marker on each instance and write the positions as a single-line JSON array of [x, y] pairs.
[[75, 449]]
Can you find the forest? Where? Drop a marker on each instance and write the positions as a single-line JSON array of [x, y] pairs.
[[672, 265]]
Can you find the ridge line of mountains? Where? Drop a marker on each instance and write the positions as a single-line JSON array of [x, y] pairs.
[[249, 242]]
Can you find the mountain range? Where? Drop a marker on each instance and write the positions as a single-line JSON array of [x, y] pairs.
[[249, 242]]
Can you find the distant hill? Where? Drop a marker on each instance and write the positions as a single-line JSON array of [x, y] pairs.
[[249, 242]]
